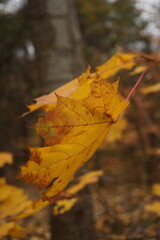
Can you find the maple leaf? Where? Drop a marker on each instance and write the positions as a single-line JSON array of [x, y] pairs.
[[115, 133], [12, 229], [117, 62], [88, 178], [32, 208], [5, 157], [64, 205], [37, 205], [13, 200], [76, 87], [72, 133]]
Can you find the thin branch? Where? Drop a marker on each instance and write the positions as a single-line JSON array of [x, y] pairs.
[[138, 82]]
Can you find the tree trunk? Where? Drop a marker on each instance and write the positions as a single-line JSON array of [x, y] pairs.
[[58, 46]]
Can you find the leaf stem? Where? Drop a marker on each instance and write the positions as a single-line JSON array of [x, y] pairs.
[[138, 82], [135, 87]]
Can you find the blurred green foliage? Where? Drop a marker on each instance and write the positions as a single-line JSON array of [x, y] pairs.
[[106, 24]]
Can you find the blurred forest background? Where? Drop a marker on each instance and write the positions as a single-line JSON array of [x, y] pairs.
[[44, 44]]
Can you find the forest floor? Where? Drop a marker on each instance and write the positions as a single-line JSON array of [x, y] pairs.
[[121, 200]]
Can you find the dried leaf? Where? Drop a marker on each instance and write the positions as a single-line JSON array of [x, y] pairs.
[[12, 199], [5, 157], [72, 133]]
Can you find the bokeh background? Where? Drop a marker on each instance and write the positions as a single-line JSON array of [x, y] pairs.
[[44, 44]]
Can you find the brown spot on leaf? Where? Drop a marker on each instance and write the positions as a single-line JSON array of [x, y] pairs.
[[36, 157]]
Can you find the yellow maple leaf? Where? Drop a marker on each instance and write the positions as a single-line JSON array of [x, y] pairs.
[[72, 133], [37, 205], [5, 157], [64, 205], [115, 132], [32, 208], [13, 200], [117, 62], [15, 203], [88, 178], [10, 229], [76, 87]]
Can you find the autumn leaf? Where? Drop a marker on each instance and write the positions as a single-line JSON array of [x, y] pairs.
[[138, 70], [48, 102], [88, 178], [5, 157], [12, 200], [37, 205], [64, 205], [10, 229], [32, 208], [72, 133], [15, 205], [117, 62], [115, 133], [76, 87], [151, 89]]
